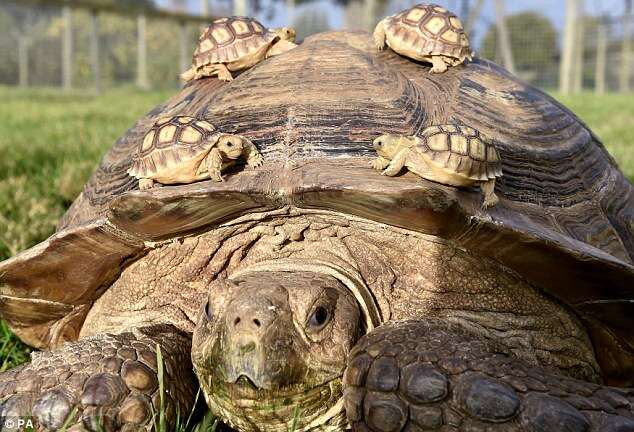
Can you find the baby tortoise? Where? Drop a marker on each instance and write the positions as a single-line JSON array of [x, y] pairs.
[[184, 149], [236, 43], [447, 154], [425, 32]]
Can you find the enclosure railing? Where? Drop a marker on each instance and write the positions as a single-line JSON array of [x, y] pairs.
[[138, 10]]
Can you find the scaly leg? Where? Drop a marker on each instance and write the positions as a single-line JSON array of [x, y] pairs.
[[280, 47], [251, 153], [213, 162], [397, 163], [435, 375], [146, 183], [105, 382], [379, 35], [439, 65], [216, 69], [380, 163], [488, 189]]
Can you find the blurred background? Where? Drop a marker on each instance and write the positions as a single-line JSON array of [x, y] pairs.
[[75, 74], [569, 45]]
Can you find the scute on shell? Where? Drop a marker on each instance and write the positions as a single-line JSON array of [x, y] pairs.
[[430, 29], [463, 150], [230, 39], [171, 141]]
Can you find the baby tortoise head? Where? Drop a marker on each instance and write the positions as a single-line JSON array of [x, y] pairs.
[[387, 146], [285, 33], [231, 146], [270, 348]]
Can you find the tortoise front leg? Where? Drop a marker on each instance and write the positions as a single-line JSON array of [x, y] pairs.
[[251, 153], [439, 65], [379, 163], [379, 35], [213, 163], [280, 47], [105, 382], [397, 163], [435, 375]]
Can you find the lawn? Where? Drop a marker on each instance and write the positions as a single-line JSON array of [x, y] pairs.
[[51, 141]]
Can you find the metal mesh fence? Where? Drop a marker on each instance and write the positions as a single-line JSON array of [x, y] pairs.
[[527, 38]]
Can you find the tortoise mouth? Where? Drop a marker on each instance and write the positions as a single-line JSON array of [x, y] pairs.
[[245, 407], [245, 390]]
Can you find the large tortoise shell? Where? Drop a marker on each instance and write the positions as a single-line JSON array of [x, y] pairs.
[[230, 39], [463, 150], [563, 223], [431, 30], [169, 142]]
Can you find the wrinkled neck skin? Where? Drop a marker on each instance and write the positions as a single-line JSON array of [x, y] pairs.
[[382, 272]]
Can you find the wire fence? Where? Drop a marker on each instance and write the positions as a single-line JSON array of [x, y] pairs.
[[46, 44]]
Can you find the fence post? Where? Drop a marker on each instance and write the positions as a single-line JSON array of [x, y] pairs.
[[23, 60], [602, 48], [568, 47], [204, 7], [577, 77], [184, 55], [240, 7], [626, 50], [473, 16], [503, 36], [67, 48], [142, 80], [94, 48]]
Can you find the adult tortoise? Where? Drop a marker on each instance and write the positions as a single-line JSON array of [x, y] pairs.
[[265, 288]]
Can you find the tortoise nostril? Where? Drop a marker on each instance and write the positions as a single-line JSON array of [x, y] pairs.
[[256, 322], [236, 321]]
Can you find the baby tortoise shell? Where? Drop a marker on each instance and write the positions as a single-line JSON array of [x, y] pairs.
[[236, 43], [454, 155], [184, 149], [230, 39], [170, 142], [425, 32], [463, 150]]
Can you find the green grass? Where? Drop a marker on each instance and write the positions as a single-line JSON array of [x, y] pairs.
[[50, 141]]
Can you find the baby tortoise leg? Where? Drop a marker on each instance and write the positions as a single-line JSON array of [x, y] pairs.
[[488, 189], [380, 163], [435, 375], [106, 382], [439, 64], [213, 162], [146, 183], [397, 163], [218, 69], [280, 47], [379, 35], [189, 75], [251, 153]]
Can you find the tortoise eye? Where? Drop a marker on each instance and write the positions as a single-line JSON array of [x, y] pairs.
[[229, 144], [379, 143], [319, 318]]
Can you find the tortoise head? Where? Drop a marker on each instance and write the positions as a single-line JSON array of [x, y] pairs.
[[231, 146], [285, 33], [271, 348], [388, 146]]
